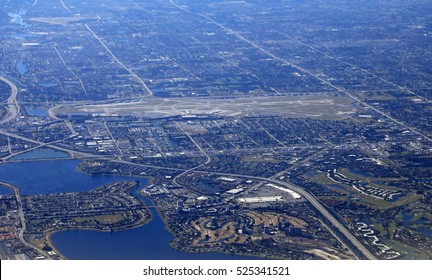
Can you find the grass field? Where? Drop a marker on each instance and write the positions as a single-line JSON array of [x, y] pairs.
[[410, 252], [225, 230], [103, 219], [369, 201], [350, 174]]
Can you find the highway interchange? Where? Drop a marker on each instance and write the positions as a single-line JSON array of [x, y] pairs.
[[14, 110]]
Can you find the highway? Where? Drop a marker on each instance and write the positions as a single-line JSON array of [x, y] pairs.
[[11, 154], [14, 111], [65, 7], [49, 145], [22, 219], [310, 73], [13, 108], [70, 70], [80, 155], [208, 158], [309, 197], [146, 88], [318, 206], [51, 114], [314, 201]]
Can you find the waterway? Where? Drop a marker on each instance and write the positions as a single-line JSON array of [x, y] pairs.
[[150, 241], [5, 191], [43, 153], [36, 111], [52, 176], [21, 67]]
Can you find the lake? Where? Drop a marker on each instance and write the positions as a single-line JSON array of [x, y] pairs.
[[53, 176], [150, 241], [36, 111], [21, 67], [5, 191], [42, 153]]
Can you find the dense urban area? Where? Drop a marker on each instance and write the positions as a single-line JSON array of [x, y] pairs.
[[276, 129]]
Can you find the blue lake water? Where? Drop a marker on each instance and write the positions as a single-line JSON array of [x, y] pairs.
[[42, 153], [36, 111], [5, 191], [406, 218], [47, 84], [150, 241], [426, 232], [21, 67], [52, 176]]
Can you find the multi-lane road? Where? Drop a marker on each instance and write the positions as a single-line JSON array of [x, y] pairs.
[[315, 203], [309, 197], [22, 219], [13, 108], [314, 75]]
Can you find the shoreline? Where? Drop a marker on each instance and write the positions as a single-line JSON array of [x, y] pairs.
[[102, 174], [48, 235], [6, 186], [168, 228], [148, 202]]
